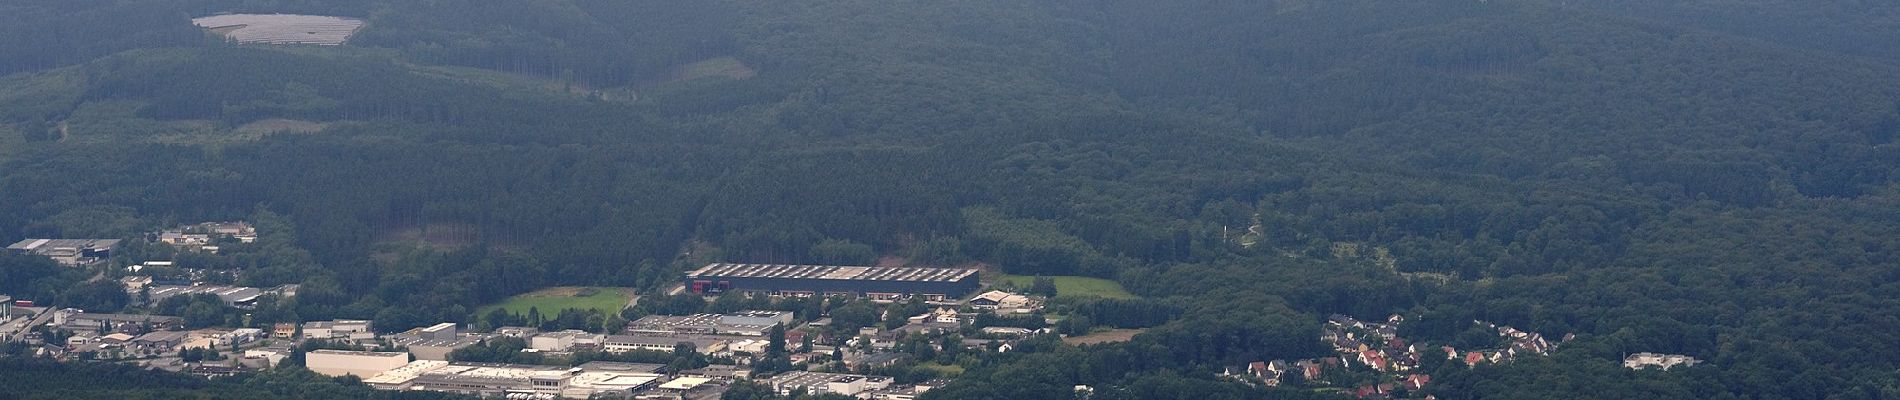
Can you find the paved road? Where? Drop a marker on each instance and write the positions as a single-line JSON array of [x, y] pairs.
[[12, 330]]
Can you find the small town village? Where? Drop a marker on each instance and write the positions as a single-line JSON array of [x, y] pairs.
[[638, 359], [642, 358], [1375, 362]]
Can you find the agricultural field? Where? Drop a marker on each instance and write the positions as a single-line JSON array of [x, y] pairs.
[[1106, 336], [554, 299], [1075, 286]]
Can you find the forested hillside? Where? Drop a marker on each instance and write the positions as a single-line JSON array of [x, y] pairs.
[[1651, 177]]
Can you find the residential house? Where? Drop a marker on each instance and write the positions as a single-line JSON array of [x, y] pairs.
[[1309, 370]]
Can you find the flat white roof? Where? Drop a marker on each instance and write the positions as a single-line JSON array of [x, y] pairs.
[[687, 383], [361, 353], [407, 372]]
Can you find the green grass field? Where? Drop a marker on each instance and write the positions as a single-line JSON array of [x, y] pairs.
[[948, 371], [1068, 286], [553, 300]]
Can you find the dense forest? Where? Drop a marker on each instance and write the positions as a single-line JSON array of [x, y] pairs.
[[1707, 178]]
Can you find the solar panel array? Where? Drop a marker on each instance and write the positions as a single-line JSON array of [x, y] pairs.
[[786, 271], [282, 28]]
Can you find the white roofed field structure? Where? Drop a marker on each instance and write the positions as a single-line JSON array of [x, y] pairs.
[[282, 28]]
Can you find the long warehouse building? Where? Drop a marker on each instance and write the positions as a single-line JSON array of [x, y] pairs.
[[878, 283]]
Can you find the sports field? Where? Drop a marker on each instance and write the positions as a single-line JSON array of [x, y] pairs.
[[1067, 286], [552, 300]]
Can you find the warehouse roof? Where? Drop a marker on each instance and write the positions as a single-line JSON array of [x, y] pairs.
[[42, 245], [383, 354], [833, 272]]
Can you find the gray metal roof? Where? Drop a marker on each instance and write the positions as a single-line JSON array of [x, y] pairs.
[[861, 273]]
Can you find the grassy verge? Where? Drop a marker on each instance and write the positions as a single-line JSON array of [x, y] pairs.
[[1107, 336], [552, 300], [1075, 286], [948, 371]]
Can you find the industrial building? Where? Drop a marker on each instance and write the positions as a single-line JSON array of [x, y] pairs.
[[818, 383], [504, 380], [234, 296], [877, 283], [625, 343], [743, 323], [353, 329], [434, 342], [563, 340], [361, 364], [68, 252], [75, 320], [434, 349]]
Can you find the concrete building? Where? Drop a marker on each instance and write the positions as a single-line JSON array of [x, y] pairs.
[[1004, 302], [436, 341], [563, 340], [434, 349], [200, 236], [361, 364], [908, 392], [67, 252], [877, 283], [827, 383], [402, 378], [1664, 361], [240, 230], [156, 343], [338, 329], [519, 332], [625, 343], [75, 320], [445, 330], [514, 381], [269, 356], [589, 384], [749, 346], [489, 380], [245, 335], [758, 317], [682, 385]]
